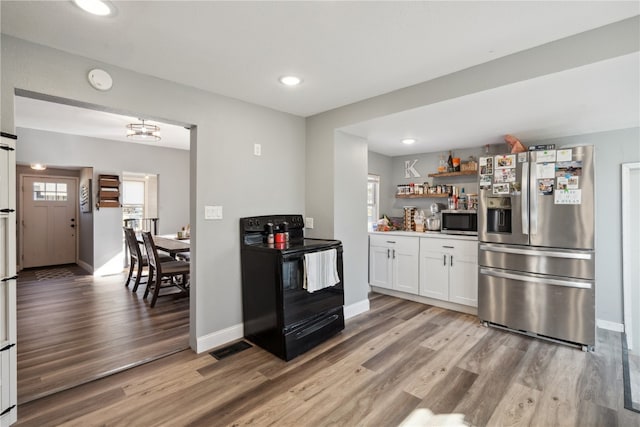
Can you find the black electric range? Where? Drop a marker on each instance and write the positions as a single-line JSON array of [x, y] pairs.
[[279, 314]]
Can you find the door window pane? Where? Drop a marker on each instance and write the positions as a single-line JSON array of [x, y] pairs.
[[50, 191]]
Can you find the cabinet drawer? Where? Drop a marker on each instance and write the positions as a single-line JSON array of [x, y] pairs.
[[467, 248], [399, 243]]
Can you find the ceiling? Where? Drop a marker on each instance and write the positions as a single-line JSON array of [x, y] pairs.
[[594, 98], [344, 51], [61, 118]]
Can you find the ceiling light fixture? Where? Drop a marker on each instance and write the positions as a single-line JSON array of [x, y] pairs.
[[408, 141], [95, 7], [143, 131], [290, 80], [38, 166]]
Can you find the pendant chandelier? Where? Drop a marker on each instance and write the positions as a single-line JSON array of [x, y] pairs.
[[143, 131]]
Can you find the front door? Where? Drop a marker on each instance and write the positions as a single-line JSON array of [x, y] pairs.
[[48, 221]]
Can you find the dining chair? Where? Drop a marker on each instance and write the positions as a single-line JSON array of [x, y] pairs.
[[137, 260], [170, 271]]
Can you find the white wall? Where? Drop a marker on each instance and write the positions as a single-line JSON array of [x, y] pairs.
[[114, 157], [592, 46], [349, 168], [223, 169]]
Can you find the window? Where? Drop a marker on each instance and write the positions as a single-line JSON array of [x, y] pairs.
[[50, 191], [140, 201], [133, 200], [373, 206]]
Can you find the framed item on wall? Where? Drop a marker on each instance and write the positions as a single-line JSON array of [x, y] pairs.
[[85, 196]]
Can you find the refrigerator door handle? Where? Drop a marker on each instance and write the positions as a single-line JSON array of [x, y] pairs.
[[524, 201], [533, 199], [533, 279], [555, 254]]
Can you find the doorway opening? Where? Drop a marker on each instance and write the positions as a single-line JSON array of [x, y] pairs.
[[112, 328]]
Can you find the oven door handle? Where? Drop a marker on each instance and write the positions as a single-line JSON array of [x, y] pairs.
[[317, 326]]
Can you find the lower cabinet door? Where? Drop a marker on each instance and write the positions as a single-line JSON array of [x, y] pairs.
[[463, 274], [434, 275], [380, 267], [405, 270], [463, 287]]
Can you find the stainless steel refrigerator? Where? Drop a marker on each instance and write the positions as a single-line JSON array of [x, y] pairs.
[[536, 233]]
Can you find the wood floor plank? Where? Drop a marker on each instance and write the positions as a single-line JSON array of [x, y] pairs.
[[517, 407], [600, 365], [555, 405], [535, 362], [492, 377], [432, 373], [444, 399], [488, 389], [369, 396]]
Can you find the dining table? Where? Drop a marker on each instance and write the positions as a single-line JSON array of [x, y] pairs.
[[171, 244]]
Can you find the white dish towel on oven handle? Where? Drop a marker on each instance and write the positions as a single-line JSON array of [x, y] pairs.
[[320, 270]]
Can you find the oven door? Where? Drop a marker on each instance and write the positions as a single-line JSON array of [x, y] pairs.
[[299, 305]]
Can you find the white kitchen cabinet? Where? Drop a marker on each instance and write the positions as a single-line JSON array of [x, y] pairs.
[[393, 262], [449, 270]]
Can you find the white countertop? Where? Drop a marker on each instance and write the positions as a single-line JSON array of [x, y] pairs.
[[430, 234]]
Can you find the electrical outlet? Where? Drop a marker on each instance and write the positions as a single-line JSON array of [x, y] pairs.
[[308, 222], [257, 150]]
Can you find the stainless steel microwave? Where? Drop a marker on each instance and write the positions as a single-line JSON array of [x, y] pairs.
[[460, 222]]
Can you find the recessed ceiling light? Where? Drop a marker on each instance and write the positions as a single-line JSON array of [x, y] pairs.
[[408, 141], [95, 7], [290, 80], [38, 166]]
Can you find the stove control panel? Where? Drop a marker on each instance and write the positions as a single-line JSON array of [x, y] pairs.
[[257, 224]]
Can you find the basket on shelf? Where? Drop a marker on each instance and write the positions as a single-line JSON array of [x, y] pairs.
[[471, 165]]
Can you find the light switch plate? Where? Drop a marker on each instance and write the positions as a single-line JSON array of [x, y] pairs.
[[308, 222], [213, 212], [257, 150]]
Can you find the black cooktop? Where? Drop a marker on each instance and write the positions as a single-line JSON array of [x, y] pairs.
[[295, 245]]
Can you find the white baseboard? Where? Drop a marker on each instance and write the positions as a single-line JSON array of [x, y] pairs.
[[424, 300], [86, 267], [218, 338], [353, 310], [611, 326]]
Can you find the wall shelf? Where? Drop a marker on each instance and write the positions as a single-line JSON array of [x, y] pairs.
[[422, 196], [108, 191], [447, 174]]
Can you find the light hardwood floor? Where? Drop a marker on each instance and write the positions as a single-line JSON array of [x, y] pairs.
[[397, 357], [78, 328]]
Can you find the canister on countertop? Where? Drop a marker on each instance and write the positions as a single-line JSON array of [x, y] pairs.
[[268, 229]]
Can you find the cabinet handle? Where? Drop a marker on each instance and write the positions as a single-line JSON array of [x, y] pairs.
[[394, 253], [449, 247], [451, 260], [388, 253], [390, 241], [444, 260]]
